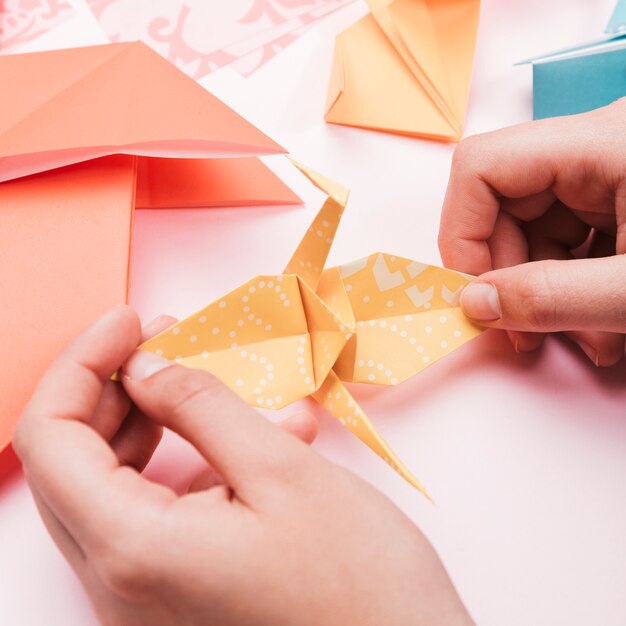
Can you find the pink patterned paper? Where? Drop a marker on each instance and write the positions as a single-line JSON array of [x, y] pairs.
[[201, 36], [22, 21]]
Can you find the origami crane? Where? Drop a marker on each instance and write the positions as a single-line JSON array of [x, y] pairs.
[[406, 68], [277, 339], [80, 133]]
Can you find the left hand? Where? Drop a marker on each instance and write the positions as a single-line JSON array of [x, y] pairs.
[[271, 534]]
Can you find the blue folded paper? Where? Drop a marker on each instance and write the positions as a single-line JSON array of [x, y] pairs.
[[578, 84], [584, 76]]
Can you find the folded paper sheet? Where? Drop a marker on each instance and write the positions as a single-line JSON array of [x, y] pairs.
[[79, 142], [406, 68], [584, 76], [578, 83], [279, 338]]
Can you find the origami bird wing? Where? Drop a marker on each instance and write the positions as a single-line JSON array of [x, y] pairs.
[[407, 317], [405, 68], [258, 340]]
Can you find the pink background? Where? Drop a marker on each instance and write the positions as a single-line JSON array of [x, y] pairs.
[[525, 455]]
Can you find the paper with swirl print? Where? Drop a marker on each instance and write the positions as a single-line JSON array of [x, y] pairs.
[[201, 36], [22, 21]]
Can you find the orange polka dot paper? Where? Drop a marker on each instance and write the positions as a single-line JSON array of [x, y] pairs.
[[278, 339]]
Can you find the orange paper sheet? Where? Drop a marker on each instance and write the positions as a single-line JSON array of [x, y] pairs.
[[405, 68], [84, 132], [64, 261], [203, 183]]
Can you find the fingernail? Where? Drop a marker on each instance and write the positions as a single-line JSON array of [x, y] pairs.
[[591, 352], [153, 321], [144, 364], [480, 301], [157, 322]]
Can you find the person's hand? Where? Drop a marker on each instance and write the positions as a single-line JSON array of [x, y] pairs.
[[270, 534], [544, 192]]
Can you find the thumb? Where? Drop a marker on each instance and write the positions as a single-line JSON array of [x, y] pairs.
[[547, 296], [247, 450]]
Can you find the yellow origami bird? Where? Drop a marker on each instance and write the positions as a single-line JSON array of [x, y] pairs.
[[278, 339]]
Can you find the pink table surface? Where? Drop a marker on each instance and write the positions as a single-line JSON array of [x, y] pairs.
[[525, 455]]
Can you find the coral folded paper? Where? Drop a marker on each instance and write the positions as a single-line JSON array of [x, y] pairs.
[[406, 68], [280, 338], [86, 136]]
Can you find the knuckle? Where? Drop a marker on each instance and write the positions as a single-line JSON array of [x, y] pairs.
[[538, 298], [466, 152], [188, 388]]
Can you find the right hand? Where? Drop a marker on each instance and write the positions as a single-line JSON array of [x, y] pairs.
[[273, 535], [520, 201]]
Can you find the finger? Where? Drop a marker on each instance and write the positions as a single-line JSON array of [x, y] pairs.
[[550, 296], [137, 437], [68, 463], [508, 247], [205, 480], [136, 440], [114, 403], [303, 425], [528, 207], [566, 155], [601, 245], [111, 410], [555, 234], [242, 446], [477, 184], [603, 349]]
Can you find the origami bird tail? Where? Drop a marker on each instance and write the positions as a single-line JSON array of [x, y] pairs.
[[336, 399], [310, 257]]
